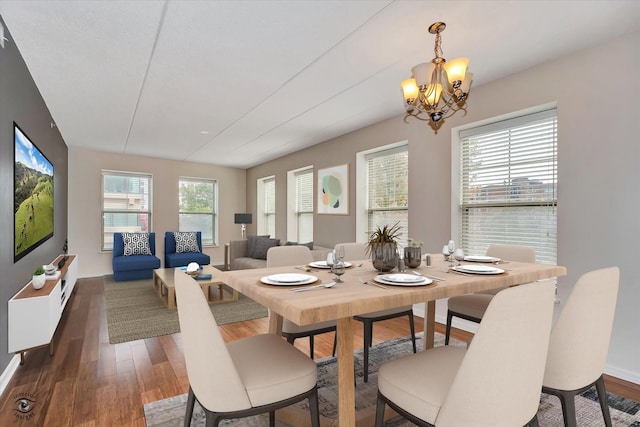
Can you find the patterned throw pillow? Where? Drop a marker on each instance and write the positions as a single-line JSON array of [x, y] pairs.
[[136, 244], [186, 241]]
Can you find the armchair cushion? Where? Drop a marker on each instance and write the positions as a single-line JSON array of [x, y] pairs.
[[136, 244], [186, 241]]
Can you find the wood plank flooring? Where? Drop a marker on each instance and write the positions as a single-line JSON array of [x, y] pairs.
[[89, 382]]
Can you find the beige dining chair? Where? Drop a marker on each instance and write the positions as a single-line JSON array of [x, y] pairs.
[[472, 306], [354, 252], [298, 255], [495, 382], [580, 342], [250, 376]]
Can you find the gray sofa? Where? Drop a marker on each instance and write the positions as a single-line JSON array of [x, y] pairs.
[[239, 259]]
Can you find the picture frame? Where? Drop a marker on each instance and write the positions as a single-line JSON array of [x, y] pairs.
[[333, 190]]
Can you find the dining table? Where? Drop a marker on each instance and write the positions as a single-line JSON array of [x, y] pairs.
[[353, 297]]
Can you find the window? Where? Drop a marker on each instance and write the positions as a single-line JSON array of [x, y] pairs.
[[301, 228], [198, 208], [126, 204], [508, 185], [387, 191], [266, 221]]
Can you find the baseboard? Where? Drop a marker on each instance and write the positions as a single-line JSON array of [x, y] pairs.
[[622, 374], [8, 373]]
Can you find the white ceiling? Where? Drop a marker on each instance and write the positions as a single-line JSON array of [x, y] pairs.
[[267, 78]]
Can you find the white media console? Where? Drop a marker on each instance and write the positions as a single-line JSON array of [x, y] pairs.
[[34, 314]]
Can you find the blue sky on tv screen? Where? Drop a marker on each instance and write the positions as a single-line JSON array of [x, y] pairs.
[[28, 154]]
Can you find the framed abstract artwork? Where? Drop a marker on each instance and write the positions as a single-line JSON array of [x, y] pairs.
[[333, 190]]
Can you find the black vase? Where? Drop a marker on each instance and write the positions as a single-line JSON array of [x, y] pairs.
[[384, 256]]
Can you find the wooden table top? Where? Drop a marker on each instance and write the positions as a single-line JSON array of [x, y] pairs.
[[353, 298]]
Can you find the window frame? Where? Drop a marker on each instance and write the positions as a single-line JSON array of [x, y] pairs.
[[264, 215], [214, 212], [546, 251], [104, 212]]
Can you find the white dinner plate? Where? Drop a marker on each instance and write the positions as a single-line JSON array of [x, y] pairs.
[[401, 278], [323, 264], [288, 279], [478, 269], [481, 258], [422, 281]]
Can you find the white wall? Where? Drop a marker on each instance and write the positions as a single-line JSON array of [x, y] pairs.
[[596, 94], [85, 198]]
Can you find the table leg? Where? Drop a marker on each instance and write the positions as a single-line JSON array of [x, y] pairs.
[[275, 323], [346, 388], [429, 324]]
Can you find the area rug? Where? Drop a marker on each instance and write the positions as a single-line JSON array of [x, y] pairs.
[[134, 311], [170, 412]]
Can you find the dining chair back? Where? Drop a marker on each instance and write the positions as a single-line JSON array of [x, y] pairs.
[[579, 341], [224, 378], [355, 252], [472, 306], [297, 255], [496, 381]]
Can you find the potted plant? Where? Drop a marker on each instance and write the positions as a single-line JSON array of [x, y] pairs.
[[383, 247], [38, 278], [413, 253]]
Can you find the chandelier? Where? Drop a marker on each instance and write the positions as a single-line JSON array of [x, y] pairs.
[[437, 89]]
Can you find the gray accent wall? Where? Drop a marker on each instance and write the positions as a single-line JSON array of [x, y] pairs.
[[20, 101]]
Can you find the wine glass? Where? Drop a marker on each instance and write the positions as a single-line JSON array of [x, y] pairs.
[[338, 270], [451, 248], [339, 253]]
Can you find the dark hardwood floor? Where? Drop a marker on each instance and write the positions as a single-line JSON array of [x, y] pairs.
[[89, 382]]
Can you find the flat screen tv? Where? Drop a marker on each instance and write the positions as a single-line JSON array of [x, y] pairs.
[[33, 195]]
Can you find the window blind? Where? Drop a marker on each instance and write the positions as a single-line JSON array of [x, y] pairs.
[[304, 205], [388, 190], [508, 185]]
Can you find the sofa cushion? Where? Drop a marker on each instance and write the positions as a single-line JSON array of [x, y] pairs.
[[252, 241], [136, 244], [186, 241], [309, 245], [262, 246]]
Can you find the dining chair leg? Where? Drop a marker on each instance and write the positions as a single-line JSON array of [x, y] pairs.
[[567, 401], [335, 343], [311, 346], [368, 338], [533, 422], [272, 418], [602, 398], [380, 404], [314, 409], [412, 328], [191, 400], [447, 332]]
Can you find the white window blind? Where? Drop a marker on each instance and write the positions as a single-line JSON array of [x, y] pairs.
[[388, 190], [508, 177], [126, 204], [270, 206], [304, 205], [197, 207]]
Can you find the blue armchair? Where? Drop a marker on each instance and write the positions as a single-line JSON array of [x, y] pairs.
[[175, 259], [133, 267]]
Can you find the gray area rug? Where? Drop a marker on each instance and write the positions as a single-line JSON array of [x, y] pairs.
[[170, 412], [134, 311]]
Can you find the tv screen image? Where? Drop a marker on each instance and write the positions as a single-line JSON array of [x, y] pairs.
[[33, 195]]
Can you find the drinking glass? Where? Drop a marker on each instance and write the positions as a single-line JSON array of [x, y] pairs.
[[338, 270], [330, 259], [451, 247]]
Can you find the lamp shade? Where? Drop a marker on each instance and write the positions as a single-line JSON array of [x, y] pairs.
[[242, 218]]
